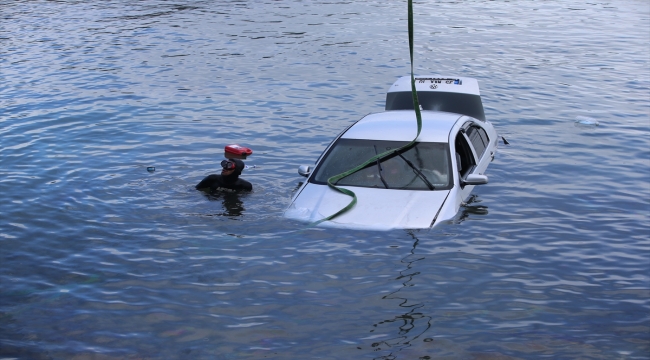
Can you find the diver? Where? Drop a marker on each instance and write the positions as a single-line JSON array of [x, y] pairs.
[[229, 178]]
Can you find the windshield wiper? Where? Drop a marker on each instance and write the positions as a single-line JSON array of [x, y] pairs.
[[418, 172], [381, 177]]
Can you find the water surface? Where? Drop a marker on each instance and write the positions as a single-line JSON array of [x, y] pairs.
[[101, 259]]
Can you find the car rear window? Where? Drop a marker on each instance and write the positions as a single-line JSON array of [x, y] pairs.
[[464, 104], [393, 172]]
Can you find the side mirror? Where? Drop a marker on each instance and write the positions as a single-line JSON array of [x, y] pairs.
[[304, 170], [475, 179]]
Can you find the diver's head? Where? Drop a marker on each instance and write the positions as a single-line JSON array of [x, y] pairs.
[[232, 167]]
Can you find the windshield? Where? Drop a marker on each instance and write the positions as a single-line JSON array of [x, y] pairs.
[[424, 166]]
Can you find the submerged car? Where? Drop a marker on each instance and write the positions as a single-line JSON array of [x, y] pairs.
[[414, 188]]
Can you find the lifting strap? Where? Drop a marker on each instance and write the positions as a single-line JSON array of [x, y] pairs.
[[416, 105]]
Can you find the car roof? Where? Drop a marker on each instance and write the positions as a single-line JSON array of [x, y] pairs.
[[401, 125]]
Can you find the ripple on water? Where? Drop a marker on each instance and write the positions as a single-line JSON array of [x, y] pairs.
[[102, 258]]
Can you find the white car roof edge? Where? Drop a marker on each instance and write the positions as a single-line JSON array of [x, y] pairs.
[[437, 83]]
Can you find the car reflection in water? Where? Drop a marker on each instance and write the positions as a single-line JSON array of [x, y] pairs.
[[412, 323], [471, 207]]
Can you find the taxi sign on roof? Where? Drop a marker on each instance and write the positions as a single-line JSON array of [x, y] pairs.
[[437, 83]]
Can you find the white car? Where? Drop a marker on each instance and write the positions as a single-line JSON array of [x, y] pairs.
[[416, 188]]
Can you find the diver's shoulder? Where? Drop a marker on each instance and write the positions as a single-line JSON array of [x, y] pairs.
[[247, 186], [209, 181]]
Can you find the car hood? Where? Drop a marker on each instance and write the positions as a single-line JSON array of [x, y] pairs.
[[376, 209]]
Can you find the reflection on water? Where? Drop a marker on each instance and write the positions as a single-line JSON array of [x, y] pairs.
[[232, 202], [472, 206], [407, 327]]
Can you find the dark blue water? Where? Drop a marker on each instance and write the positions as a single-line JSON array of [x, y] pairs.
[[100, 259]]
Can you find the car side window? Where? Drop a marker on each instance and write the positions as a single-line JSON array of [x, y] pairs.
[[464, 156], [479, 139]]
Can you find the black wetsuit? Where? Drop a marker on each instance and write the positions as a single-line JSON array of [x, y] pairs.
[[231, 182]]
